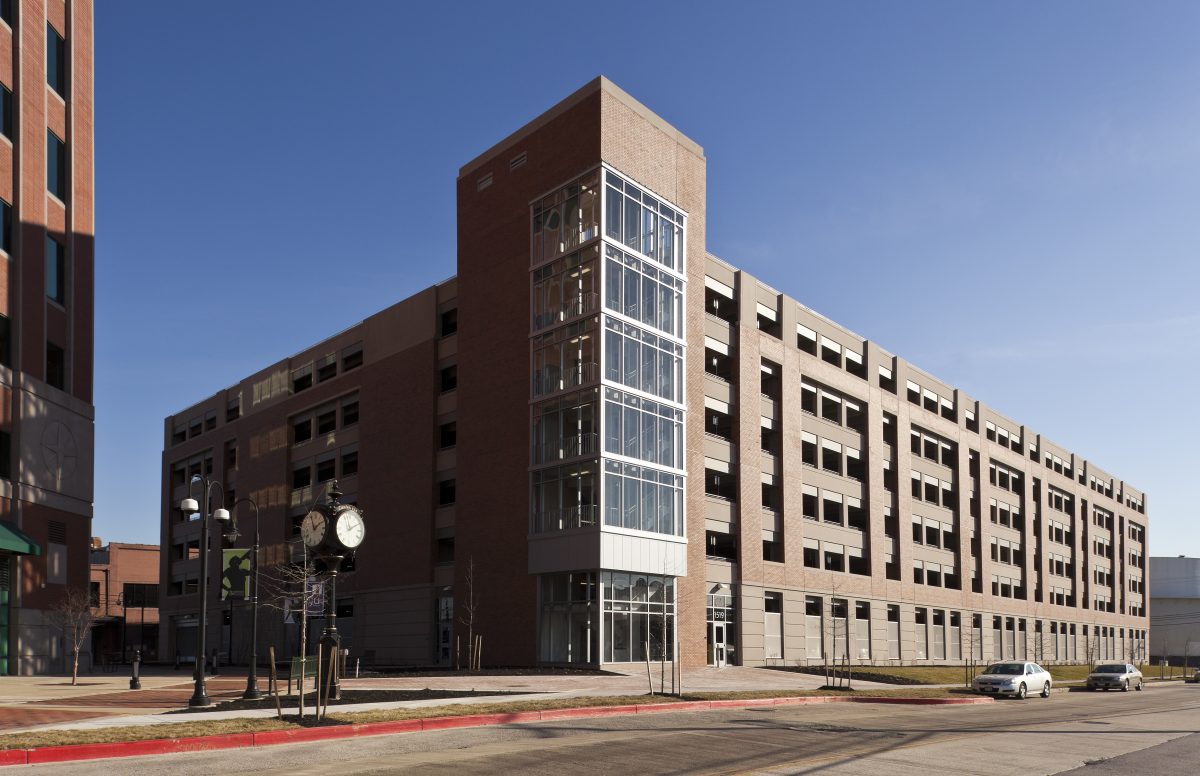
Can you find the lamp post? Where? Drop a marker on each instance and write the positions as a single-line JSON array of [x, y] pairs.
[[190, 506], [252, 692]]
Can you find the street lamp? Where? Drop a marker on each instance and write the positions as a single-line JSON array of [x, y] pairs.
[[190, 506], [252, 692]]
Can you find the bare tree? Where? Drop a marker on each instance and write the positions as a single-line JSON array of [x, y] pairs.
[[74, 616], [285, 585], [470, 609]]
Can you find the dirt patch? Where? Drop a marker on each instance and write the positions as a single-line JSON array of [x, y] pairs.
[[402, 672], [348, 697]]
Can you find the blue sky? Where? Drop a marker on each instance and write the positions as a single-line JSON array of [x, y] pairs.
[[1005, 194]]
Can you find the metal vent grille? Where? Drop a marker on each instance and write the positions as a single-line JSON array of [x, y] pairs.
[[57, 533]]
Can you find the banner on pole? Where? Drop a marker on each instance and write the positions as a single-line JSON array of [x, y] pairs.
[[235, 574], [314, 597]]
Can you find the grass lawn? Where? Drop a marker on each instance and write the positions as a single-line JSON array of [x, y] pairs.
[[254, 725], [138, 733]]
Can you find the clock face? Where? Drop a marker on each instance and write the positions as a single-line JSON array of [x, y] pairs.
[[350, 528], [312, 530]]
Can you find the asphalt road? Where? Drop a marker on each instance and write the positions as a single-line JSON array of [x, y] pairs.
[[1109, 733]]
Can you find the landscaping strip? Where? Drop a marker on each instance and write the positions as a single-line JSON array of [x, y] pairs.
[[290, 735]]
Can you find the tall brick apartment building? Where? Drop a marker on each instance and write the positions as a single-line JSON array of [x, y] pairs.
[[618, 437], [46, 312]]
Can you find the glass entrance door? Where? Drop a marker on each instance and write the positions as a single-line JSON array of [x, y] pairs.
[[716, 644]]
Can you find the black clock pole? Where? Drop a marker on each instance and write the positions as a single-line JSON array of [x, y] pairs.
[[331, 642]]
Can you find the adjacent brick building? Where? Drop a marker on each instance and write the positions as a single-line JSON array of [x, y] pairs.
[[46, 313], [598, 435], [124, 588]]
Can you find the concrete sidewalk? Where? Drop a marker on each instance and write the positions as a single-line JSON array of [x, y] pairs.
[[16, 693]]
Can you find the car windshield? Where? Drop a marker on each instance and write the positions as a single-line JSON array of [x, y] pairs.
[[1113, 669], [1006, 669]]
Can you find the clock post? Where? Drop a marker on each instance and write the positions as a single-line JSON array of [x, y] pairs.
[[331, 641], [331, 532]]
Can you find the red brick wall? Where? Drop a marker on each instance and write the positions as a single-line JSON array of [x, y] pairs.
[[492, 513]]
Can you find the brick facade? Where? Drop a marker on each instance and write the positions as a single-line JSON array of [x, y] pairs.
[[752, 546], [47, 492]]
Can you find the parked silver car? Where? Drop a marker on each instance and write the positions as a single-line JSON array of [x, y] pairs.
[[1016, 679], [1113, 676]]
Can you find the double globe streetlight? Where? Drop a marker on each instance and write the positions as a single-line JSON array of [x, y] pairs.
[[189, 506], [252, 692]]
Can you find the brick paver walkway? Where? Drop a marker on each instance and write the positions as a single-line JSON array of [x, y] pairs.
[[172, 696], [12, 718]]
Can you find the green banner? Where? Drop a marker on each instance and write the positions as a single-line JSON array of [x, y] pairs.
[[235, 574]]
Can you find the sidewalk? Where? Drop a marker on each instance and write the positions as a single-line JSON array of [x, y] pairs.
[[108, 702]]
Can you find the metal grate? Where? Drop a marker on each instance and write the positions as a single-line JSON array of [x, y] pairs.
[[57, 533]]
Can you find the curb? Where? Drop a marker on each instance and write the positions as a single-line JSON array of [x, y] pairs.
[[70, 752]]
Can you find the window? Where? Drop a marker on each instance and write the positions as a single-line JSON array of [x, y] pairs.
[[233, 410], [721, 546], [301, 431], [302, 379], [326, 470], [810, 502], [5, 341], [6, 230], [808, 449], [349, 463], [327, 369], [326, 422], [56, 61], [56, 366], [637, 219], [352, 357], [446, 492], [349, 413], [56, 270], [449, 378], [140, 594], [449, 322], [5, 455], [56, 166], [445, 550], [6, 11], [301, 477], [447, 435], [6, 112]]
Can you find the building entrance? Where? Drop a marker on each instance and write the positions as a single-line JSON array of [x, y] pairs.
[[717, 654], [722, 626]]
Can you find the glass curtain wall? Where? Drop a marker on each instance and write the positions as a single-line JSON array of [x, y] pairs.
[[569, 629], [639, 617], [606, 306]]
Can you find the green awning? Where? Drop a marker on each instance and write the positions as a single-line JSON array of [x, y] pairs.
[[14, 541]]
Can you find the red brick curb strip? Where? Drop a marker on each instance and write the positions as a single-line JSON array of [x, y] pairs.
[[57, 754]]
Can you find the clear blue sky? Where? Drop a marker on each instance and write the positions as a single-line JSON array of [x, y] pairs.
[[1006, 194]]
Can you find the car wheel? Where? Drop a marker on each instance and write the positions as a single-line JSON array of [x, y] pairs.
[[1046, 690], [1021, 692], [1140, 685], [1125, 686]]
